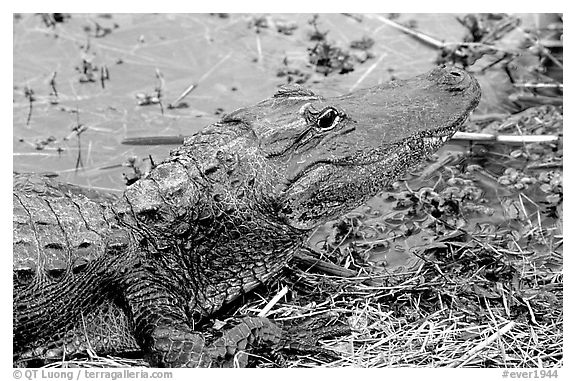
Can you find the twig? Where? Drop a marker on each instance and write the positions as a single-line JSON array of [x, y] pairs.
[[507, 139], [183, 95], [79, 129], [104, 75], [195, 85], [421, 36], [214, 67], [159, 89], [29, 94], [329, 268], [367, 72], [154, 140], [532, 317], [485, 118], [483, 45], [354, 17], [506, 57], [259, 48], [472, 352], [321, 265], [53, 84], [537, 100], [273, 302], [418, 35], [551, 57], [545, 165], [540, 85], [79, 163]]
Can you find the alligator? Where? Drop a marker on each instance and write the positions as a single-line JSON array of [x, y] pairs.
[[224, 213]]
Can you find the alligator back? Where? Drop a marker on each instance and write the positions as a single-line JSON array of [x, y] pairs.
[[65, 239], [57, 230]]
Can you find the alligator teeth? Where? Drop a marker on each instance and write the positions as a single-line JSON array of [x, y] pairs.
[[433, 140]]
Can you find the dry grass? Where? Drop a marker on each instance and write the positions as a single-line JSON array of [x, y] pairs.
[[442, 316]]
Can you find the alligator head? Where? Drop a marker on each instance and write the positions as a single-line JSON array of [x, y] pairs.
[[321, 157]]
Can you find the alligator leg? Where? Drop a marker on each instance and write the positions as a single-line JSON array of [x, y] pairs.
[[161, 326], [162, 330]]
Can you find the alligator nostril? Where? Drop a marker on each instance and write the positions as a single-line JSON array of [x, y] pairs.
[[455, 73]]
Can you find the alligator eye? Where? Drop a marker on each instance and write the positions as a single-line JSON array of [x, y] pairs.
[[328, 119]]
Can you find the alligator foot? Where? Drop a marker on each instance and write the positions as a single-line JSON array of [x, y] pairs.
[[275, 341], [253, 331], [174, 347], [251, 336]]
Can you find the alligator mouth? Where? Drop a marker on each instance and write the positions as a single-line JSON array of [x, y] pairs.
[[317, 165], [431, 141]]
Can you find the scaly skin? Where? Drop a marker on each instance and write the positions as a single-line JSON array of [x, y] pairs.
[[224, 213]]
